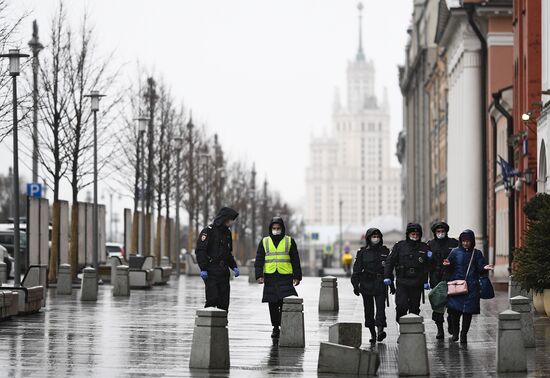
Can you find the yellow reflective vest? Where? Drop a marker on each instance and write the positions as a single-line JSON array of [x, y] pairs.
[[277, 259]]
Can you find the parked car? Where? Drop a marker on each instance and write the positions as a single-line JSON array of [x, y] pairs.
[[7, 241], [115, 249], [8, 260]]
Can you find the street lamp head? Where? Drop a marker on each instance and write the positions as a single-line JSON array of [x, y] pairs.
[[526, 116], [14, 56], [142, 123], [95, 97]]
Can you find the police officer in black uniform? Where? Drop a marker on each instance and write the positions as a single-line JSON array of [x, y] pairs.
[[368, 280], [441, 245], [214, 257], [410, 259]]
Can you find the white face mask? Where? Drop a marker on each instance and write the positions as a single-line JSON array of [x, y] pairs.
[[440, 235], [415, 238], [276, 232], [230, 223], [374, 240]]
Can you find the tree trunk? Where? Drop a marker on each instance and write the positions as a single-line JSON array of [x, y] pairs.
[[147, 246], [159, 236], [134, 243], [54, 251], [167, 237], [73, 248]]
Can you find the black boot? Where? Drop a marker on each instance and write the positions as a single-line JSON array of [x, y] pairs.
[[455, 327], [276, 333], [381, 334], [372, 335], [463, 337], [440, 333]]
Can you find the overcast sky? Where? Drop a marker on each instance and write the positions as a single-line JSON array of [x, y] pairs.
[[260, 73]]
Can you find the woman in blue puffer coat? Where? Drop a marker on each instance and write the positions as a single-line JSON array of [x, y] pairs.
[[457, 264]]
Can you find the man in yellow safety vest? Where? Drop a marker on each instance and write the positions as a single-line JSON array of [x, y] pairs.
[[278, 268]]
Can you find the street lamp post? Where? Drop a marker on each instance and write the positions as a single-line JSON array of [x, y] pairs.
[[36, 47], [142, 129], [14, 57], [95, 97], [178, 142]]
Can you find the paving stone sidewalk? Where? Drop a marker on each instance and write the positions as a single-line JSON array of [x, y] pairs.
[[149, 335]]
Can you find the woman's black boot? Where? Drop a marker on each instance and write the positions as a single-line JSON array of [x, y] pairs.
[[440, 332], [381, 334], [372, 335]]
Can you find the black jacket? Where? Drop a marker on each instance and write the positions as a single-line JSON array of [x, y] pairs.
[[409, 260], [368, 269], [214, 245], [278, 286], [441, 249]]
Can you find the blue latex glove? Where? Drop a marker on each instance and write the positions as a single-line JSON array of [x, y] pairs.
[[236, 271], [387, 281], [426, 286], [429, 254], [204, 274]]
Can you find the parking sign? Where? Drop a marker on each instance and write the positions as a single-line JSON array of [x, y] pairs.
[[34, 190]]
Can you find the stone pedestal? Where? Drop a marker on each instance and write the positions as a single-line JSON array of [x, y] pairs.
[[328, 297], [64, 280], [345, 334], [251, 271], [510, 350], [121, 285], [113, 263], [523, 306], [342, 359], [292, 323], [88, 291], [412, 354], [514, 289], [3, 272], [210, 345]]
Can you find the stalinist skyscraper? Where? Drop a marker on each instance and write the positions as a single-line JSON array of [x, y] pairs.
[[352, 163]]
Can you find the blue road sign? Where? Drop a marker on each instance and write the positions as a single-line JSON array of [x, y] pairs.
[[34, 190], [314, 236]]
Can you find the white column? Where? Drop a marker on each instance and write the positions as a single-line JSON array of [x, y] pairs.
[[464, 143]]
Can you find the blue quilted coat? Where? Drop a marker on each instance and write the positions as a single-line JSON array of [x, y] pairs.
[[459, 259]]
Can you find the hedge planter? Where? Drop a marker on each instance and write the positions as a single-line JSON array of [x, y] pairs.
[[538, 303], [547, 301]]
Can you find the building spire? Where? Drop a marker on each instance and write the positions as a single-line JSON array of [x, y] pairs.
[[360, 54]]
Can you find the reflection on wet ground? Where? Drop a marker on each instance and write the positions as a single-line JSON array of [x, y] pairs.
[[149, 335]]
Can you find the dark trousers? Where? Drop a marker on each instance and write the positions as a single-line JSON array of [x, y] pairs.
[[368, 304], [217, 292], [275, 311], [454, 321], [438, 317], [407, 300]]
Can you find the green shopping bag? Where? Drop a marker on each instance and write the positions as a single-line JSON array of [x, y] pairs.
[[438, 296]]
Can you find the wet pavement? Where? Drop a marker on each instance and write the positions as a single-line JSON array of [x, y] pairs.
[[149, 335]]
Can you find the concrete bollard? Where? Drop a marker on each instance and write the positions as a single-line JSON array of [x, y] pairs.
[[342, 359], [121, 286], [328, 296], [210, 345], [510, 350], [292, 323], [412, 354], [88, 291], [3, 272], [251, 271], [64, 280], [113, 262], [523, 306], [345, 334], [514, 289]]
